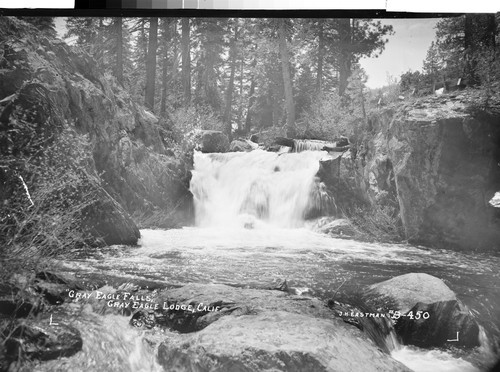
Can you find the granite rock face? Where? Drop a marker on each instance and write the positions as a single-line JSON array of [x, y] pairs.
[[129, 166], [436, 161]]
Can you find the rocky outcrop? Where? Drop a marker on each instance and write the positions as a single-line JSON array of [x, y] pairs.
[[127, 159], [429, 313], [435, 161], [249, 329], [211, 141]]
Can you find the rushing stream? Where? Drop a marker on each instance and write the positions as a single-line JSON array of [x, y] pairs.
[[250, 231]]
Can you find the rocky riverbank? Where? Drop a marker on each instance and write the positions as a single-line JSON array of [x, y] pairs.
[[200, 326], [435, 161]]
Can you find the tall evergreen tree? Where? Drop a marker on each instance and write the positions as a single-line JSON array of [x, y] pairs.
[[151, 63]]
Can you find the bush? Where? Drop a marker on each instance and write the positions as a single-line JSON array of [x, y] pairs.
[[380, 223], [187, 121], [44, 199], [327, 119]]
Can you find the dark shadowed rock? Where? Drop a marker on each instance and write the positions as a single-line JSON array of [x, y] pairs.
[[274, 341], [435, 162], [422, 292], [18, 303], [212, 141], [106, 219], [39, 340], [446, 319]]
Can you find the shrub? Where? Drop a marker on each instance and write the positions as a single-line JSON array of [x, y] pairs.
[[381, 223], [45, 196], [187, 121]]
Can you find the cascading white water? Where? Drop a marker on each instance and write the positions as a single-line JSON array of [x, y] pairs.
[[246, 189]]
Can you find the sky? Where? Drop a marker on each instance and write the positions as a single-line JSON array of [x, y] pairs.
[[405, 50]]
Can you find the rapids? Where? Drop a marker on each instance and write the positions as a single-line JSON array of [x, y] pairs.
[[250, 231]]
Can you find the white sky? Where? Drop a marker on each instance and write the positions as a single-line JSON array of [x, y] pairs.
[[405, 50]]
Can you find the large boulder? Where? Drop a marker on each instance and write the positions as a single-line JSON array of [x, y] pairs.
[[211, 141], [225, 328], [274, 341], [428, 312]]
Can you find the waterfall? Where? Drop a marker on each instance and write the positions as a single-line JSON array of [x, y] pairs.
[[309, 145], [257, 188]]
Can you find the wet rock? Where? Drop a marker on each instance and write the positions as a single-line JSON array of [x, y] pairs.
[[18, 303], [405, 291], [212, 141], [36, 339], [53, 293], [339, 227], [69, 280], [380, 329], [277, 341], [240, 146], [194, 304], [447, 321], [424, 293]]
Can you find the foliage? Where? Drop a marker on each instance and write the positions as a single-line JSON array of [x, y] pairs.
[[327, 119], [49, 195], [380, 223], [187, 121], [466, 48], [331, 116]]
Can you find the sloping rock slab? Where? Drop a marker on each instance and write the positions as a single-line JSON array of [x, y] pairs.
[[195, 306], [274, 341]]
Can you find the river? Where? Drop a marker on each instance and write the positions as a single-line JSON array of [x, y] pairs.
[[250, 231]]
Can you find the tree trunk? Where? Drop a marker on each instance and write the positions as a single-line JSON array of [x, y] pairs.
[[321, 46], [251, 97], [230, 87], [470, 49], [251, 101], [240, 105], [287, 80], [186, 61], [144, 43], [151, 63], [164, 73], [345, 58], [119, 50]]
